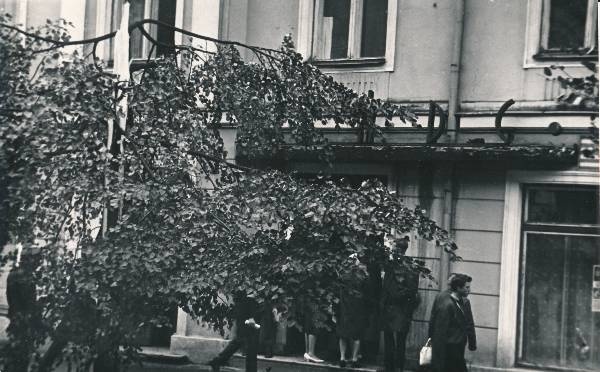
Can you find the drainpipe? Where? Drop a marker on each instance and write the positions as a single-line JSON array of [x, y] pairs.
[[454, 81], [449, 188], [448, 194]]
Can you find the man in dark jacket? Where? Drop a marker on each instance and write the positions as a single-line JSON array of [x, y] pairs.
[[399, 300], [246, 312], [450, 325], [23, 312]]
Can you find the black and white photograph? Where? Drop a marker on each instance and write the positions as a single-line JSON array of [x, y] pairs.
[[299, 186]]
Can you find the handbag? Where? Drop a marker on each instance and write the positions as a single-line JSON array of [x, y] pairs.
[[425, 354]]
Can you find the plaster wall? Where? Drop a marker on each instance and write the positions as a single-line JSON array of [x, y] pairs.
[[478, 203], [492, 61], [40, 10], [423, 49], [270, 20]]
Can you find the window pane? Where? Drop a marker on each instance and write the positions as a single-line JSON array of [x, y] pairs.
[[335, 25], [136, 13], [582, 325], [166, 14], [374, 28], [567, 24], [558, 328], [567, 206], [542, 298]]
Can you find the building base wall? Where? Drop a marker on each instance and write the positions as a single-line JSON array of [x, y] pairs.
[[198, 349]]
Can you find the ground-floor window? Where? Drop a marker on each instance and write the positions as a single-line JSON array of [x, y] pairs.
[[559, 321]]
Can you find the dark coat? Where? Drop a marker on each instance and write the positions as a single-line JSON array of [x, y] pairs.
[[352, 311], [471, 337], [20, 292], [372, 302], [399, 297], [448, 328], [23, 310], [245, 308]]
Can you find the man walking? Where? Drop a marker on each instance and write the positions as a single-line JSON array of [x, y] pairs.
[[451, 326], [246, 311]]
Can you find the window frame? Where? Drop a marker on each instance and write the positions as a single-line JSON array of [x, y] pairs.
[[308, 25], [510, 266], [537, 32]]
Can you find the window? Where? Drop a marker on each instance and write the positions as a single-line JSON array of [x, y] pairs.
[[104, 17], [568, 28], [562, 30], [161, 10], [354, 33], [350, 29], [561, 246]]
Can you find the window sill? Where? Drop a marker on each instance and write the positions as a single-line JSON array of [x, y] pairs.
[[345, 62], [564, 56]]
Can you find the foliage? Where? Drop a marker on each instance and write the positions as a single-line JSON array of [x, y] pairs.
[[187, 228], [580, 92]]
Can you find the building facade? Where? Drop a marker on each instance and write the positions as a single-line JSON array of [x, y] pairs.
[[513, 187]]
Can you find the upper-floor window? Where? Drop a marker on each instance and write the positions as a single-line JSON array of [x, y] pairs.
[[359, 33], [562, 30], [104, 17], [161, 10], [568, 27], [350, 29]]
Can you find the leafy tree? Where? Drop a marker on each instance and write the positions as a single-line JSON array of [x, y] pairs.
[[580, 92], [187, 228]]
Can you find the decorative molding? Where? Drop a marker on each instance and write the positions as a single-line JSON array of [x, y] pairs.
[[179, 21], [511, 249], [522, 121], [306, 11], [21, 13]]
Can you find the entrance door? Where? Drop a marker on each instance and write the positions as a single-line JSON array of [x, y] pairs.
[[559, 328]]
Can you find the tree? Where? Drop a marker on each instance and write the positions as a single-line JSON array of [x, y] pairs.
[[171, 241], [580, 92]]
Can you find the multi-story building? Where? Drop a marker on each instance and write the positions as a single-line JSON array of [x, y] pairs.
[[512, 187]]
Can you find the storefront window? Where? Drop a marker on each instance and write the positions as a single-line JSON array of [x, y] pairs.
[[560, 323]]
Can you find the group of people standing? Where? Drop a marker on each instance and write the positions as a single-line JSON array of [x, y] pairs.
[[382, 300]]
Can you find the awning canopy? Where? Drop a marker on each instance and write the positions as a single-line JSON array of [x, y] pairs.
[[548, 155]]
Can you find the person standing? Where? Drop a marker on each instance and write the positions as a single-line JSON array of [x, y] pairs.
[[351, 315], [450, 324], [399, 300], [369, 345], [23, 312]]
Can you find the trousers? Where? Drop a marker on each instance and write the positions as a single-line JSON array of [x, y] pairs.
[[395, 349], [244, 336]]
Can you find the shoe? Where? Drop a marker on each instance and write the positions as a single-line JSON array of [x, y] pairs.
[[343, 363], [354, 364], [214, 365], [309, 358]]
